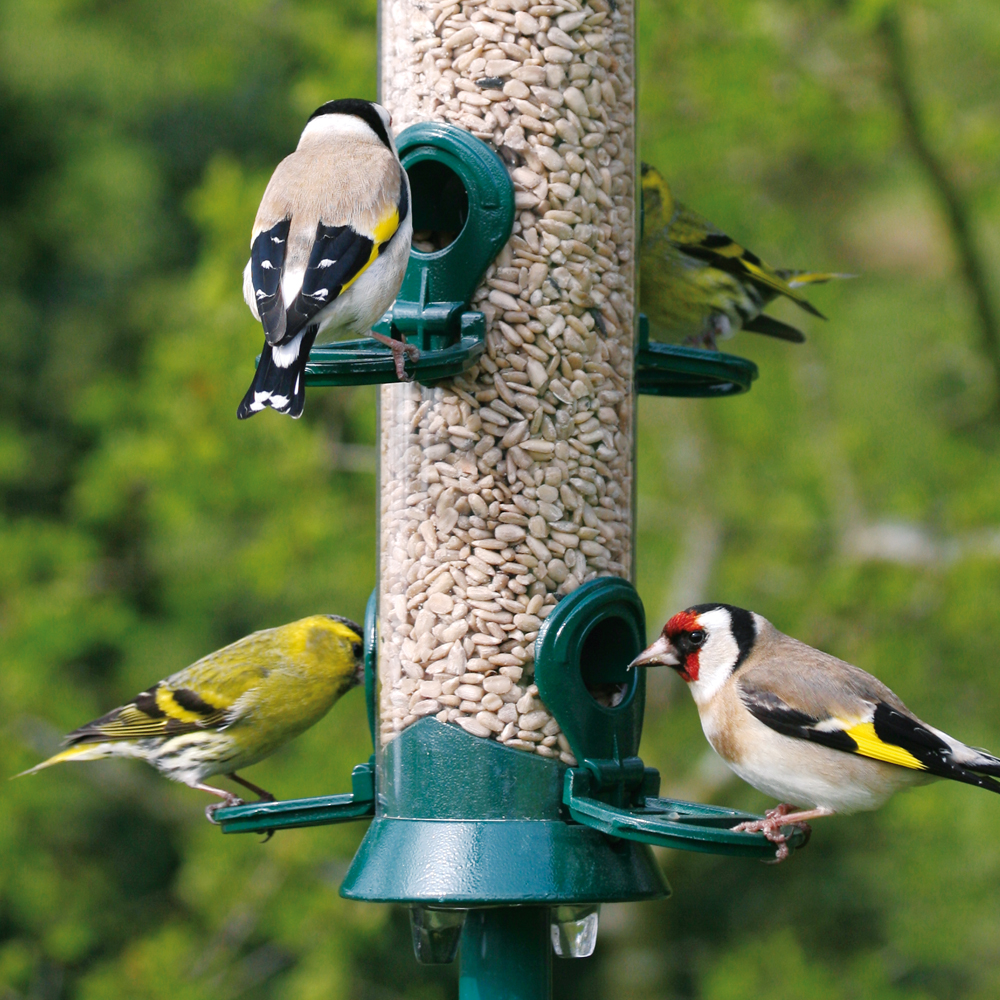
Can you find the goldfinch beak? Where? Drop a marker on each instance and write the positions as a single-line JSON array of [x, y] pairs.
[[660, 654], [359, 672]]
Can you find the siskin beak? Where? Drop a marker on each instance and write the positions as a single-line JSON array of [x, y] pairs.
[[661, 654]]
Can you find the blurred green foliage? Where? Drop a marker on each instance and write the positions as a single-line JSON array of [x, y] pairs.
[[853, 496]]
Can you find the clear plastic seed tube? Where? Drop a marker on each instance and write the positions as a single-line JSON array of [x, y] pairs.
[[506, 488]]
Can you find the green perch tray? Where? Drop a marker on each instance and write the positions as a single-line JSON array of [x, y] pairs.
[[366, 361], [684, 826], [676, 370], [264, 817]]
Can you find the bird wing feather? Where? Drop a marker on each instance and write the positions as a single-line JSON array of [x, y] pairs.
[[771, 327], [809, 695], [344, 244], [211, 693], [267, 262], [157, 712], [695, 235]]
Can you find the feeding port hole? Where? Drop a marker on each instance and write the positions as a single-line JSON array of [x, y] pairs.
[[440, 205], [601, 667]]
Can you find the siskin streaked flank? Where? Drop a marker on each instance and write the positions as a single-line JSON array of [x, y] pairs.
[[699, 283], [231, 708]]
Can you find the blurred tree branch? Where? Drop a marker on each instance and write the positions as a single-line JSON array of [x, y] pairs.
[[900, 80]]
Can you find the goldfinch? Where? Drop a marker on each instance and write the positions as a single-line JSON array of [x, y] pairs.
[[231, 708], [796, 723], [697, 281], [329, 247]]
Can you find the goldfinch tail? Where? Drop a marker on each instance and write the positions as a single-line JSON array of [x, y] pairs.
[[983, 763], [280, 381], [85, 751]]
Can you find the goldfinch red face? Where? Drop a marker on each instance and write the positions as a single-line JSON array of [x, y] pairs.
[[704, 644]]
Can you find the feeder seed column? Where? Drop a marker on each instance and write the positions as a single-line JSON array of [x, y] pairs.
[[507, 487]]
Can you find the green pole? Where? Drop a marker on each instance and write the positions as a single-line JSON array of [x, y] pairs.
[[506, 954]]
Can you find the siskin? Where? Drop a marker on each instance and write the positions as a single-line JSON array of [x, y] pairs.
[[231, 708], [697, 281]]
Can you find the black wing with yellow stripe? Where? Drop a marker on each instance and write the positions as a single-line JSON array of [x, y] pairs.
[[159, 711], [887, 734], [339, 255], [725, 254]]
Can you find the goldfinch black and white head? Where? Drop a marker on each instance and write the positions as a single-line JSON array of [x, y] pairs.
[[801, 725], [329, 246]]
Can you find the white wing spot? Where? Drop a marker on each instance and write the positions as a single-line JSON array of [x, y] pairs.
[[326, 262], [266, 265]]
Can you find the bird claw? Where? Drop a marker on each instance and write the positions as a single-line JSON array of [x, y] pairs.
[[399, 354], [212, 808], [399, 348], [772, 828]]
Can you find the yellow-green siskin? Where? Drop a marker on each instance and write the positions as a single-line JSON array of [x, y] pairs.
[[231, 708], [698, 282]]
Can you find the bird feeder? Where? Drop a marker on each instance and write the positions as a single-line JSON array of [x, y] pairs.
[[506, 796]]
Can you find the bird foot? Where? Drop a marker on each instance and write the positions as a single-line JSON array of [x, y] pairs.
[[263, 795], [771, 828], [400, 351], [230, 800], [779, 818], [716, 328], [702, 341]]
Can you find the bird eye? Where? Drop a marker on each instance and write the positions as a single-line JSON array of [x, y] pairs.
[[358, 650], [697, 637]]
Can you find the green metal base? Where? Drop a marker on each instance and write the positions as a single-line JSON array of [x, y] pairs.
[[484, 862], [422, 848]]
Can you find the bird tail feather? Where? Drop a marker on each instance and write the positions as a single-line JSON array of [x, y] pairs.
[[972, 776], [84, 751], [772, 327], [280, 386], [796, 279], [984, 763]]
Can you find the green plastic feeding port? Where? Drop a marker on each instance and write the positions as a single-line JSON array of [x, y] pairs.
[[676, 370], [463, 214], [581, 657]]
